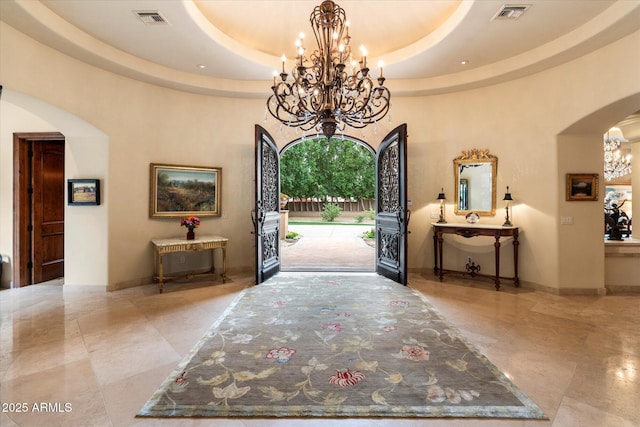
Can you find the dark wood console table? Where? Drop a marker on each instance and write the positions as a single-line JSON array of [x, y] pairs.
[[468, 231]]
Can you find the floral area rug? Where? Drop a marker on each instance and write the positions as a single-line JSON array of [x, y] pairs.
[[351, 345]]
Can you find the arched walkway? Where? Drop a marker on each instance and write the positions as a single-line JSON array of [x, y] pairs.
[[323, 246], [87, 154], [577, 243]]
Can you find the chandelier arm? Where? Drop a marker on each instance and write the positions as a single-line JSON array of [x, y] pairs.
[[375, 100], [323, 96], [285, 114]]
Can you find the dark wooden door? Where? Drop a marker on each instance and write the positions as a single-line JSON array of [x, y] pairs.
[[38, 198], [266, 214], [392, 214], [48, 210]]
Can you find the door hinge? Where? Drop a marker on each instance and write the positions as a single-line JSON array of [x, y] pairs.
[[30, 227], [30, 153], [30, 190], [29, 264]]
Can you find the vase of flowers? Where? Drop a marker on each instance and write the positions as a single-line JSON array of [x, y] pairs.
[[191, 222]]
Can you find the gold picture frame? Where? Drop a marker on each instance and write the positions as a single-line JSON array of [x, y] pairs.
[[475, 174], [179, 191], [582, 187]]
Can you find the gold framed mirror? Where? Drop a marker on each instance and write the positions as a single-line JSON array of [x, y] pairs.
[[475, 174]]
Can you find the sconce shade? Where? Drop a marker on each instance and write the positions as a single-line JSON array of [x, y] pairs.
[[441, 195]]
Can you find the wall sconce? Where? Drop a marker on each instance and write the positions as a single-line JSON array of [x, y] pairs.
[[507, 199], [442, 199]]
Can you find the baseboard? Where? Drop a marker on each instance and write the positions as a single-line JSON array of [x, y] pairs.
[[142, 281], [129, 283], [622, 290], [428, 273]]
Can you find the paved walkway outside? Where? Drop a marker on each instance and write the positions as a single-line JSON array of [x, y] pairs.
[[329, 247]]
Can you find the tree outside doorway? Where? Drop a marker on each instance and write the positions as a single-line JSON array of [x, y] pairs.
[[330, 191]]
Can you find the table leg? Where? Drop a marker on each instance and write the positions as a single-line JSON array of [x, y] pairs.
[[497, 249], [435, 252], [440, 255], [224, 264], [160, 273], [155, 265], [516, 280]]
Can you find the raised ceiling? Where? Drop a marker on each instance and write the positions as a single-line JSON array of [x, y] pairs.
[[231, 47]]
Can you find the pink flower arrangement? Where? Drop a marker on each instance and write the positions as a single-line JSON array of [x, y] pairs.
[[190, 222]]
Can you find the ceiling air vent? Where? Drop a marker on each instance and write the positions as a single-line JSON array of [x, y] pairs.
[[511, 11], [151, 17]]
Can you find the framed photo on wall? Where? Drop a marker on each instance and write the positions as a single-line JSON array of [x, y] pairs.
[[83, 192], [179, 191], [582, 186]]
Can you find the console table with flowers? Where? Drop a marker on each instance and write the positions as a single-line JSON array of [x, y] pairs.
[[162, 247]]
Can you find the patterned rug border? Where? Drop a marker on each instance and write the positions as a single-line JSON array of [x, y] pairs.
[[529, 410]]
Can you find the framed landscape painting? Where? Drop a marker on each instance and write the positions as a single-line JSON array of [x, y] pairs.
[[179, 191], [582, 186], [83, 192]]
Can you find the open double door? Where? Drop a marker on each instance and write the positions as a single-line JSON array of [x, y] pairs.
[[392, 214]]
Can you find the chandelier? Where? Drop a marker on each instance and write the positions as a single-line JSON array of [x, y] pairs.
[[330, 89], [616, 164]]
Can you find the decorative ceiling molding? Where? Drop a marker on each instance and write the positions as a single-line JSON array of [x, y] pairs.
[[498, 50]]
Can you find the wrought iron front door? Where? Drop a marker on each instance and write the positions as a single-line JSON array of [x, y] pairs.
[[392, 214], [266, 214]]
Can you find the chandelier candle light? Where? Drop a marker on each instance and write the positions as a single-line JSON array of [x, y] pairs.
[[330, 89]]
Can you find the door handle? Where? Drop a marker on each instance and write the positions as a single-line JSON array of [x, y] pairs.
[[257, 217], [254, 221]]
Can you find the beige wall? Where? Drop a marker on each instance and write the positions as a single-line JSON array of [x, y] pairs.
[[86, 154], [528, 123]]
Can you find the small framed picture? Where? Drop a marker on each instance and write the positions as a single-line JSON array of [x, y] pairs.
[[83, 192], [582, 186]]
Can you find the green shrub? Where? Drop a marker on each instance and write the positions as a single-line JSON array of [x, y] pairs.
[[371, 214], [359, 218], [330, 211], [292, 235], [371, 234]]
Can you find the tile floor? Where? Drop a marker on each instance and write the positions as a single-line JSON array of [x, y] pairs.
[[94, 358]]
